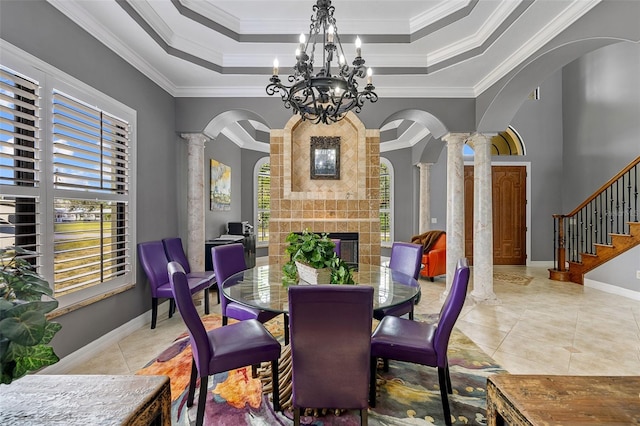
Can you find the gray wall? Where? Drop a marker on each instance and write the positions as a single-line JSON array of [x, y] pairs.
[[226, 152], [601, 117], [193, 114], [42, 31]]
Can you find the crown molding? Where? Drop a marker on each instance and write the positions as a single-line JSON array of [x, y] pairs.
[[114, 43]]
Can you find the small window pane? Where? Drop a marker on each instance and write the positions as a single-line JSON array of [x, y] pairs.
[[90, 243], [264, 203]]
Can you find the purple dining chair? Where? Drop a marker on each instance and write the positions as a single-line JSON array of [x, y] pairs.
[[246, 343], [175, 252], [228, 260], [153, 260], [330, 347], [405, 258], [422, 342], [336, 249]]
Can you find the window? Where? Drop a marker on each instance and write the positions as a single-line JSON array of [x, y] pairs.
[[91, 184], [20, 153], [66, 187], [262, 172], [386, 203]]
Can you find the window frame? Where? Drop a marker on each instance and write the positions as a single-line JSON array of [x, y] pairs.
[[51, 78]]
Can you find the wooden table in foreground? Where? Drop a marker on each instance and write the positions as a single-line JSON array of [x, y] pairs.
[[563, 400], [40, 399]]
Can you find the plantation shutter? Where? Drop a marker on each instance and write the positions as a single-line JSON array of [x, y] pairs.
[[91, 167], [91, 148], [20, 161], [264, 202]]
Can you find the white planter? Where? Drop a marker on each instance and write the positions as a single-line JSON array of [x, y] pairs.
[[313, 275]]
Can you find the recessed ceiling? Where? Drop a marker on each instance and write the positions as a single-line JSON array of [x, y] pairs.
[[417, 48]]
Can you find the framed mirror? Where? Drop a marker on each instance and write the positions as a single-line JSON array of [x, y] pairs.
[[325, 157]]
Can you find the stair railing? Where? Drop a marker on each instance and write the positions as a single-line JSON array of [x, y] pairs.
[[608, 211]]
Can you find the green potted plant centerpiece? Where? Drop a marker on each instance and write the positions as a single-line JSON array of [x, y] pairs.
[[313, 259], [25, 331]]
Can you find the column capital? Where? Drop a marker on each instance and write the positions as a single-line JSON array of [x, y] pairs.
[[194, 138], [455, 137], [424, 166], [479, 138]]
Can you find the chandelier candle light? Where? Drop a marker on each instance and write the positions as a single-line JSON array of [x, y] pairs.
[[327, 96]]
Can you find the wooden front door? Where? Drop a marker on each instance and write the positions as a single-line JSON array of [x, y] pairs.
[[509, 214]]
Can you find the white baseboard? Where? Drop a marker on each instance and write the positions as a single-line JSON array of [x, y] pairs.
[[613, 289], [89, 351]]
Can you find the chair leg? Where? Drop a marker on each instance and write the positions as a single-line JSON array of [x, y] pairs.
[[254, 371], [202, 400], [449, 388], [192, 383], [385, 366], [296, 416], [364, 417], [217, 293], [411, 314], [442, 378], [275, 385], [206, 301], [225, 320], [372, 382], [172, 307], [286, 329], [154, 312]]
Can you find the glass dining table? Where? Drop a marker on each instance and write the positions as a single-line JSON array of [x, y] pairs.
[[264, 287]]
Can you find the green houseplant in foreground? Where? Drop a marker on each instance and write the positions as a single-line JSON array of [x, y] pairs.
[[317, 252], [25, 331]]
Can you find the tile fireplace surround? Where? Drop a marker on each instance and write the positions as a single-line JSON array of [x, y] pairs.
[[349, 204]]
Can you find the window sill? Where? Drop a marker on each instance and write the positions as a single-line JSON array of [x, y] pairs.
[[78, 304]]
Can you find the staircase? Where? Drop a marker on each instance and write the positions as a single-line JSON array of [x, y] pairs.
[[604, 226]]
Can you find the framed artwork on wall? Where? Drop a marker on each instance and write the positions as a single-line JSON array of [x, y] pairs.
[[220, 186], [325, 157]]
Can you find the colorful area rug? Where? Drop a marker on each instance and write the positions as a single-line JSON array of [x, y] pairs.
[[407, 395]]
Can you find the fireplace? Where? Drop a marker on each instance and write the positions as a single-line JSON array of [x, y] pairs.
[[348, 245], [347, 208]]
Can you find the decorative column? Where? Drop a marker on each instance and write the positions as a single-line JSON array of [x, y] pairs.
[[455, 203], [483, 221], [195, 200], [425, 197]]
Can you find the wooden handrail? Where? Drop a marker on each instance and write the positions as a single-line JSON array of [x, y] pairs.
[[605, 186]]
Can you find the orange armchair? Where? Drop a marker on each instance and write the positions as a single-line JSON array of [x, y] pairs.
[[434, 257]]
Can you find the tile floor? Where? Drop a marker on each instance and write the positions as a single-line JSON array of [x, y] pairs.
[[544, 327]]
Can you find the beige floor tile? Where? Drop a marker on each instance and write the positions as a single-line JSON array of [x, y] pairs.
[[109, 361], [483, 335]]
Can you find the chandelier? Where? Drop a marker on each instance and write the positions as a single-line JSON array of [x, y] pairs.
[[325, 96]]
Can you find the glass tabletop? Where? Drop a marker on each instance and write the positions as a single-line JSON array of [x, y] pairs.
[[263, 287]]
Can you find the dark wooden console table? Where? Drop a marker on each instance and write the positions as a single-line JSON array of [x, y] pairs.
[[52, 400], [563, 400]]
